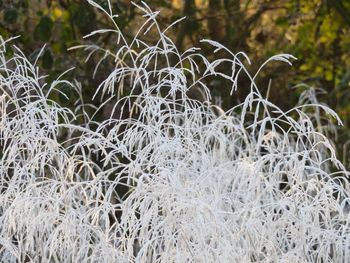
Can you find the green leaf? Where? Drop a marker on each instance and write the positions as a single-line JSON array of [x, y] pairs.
[[66, 34], [84, 18], [10, 16], [282, 21], [42, 31], [47, 59], [341, 9]]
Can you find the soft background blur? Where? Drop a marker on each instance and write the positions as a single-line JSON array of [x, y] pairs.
[[315, 31]]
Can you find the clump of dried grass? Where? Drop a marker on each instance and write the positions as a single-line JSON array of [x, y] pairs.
[[252, 184]]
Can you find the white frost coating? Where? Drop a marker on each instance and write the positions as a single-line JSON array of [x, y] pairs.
[[252, 184]]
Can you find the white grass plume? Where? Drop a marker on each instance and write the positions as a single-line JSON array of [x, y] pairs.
[[252, 184]]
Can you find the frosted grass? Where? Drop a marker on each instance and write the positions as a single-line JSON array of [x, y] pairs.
[[251, 184]]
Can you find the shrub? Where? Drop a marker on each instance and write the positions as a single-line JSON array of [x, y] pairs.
[[167, 177]]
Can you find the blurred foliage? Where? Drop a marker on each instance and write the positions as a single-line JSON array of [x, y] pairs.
[[315, 31]]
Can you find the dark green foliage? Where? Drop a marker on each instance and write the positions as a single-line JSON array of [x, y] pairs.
[[47, 59], [316, 32], [43, 30], [10, 15]]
